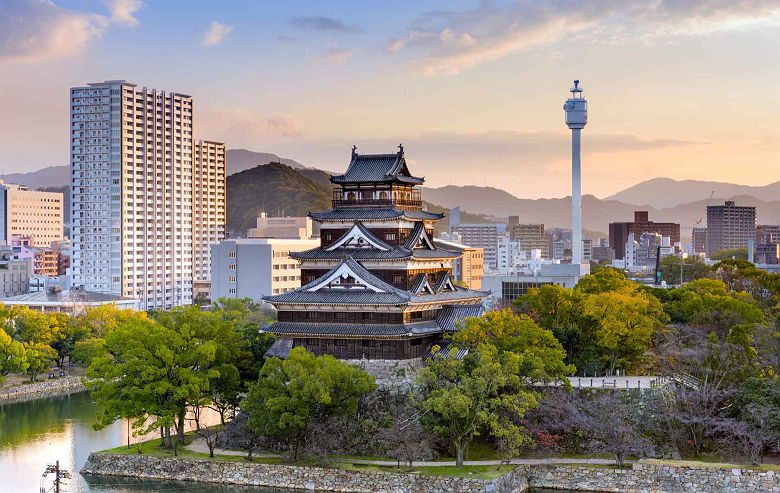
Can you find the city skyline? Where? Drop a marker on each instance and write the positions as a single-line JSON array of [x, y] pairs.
[[475, 91]]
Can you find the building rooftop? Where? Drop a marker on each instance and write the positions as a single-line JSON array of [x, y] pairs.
[[69, 296], [373, 214]]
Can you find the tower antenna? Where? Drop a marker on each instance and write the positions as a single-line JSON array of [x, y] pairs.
[[576, 108]]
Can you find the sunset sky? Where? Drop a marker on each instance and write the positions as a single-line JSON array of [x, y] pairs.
[[683, 89]]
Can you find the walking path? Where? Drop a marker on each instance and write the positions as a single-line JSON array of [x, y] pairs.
[[198, 445]]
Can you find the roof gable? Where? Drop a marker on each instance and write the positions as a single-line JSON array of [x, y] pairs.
[[419, 238], [443, 283], [421, 284], [377, 168], [349, 275], [359, 237]]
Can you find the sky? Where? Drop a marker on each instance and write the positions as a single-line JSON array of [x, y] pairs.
[[686, 89]]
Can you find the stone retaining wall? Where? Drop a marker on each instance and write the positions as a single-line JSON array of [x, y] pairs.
[[281, 476], [642, 478], [390, 374], [42, 389]]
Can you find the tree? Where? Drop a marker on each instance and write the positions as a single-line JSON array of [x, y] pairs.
[[100, 320], [735, 253], [626, 323], [708, 302], [254, 345], [482, 393], [12, 356], [674, 269], [606, 279], [225, 390], [541, 356], [408, 441], [38, 357], [741, 275], [152, 370], [295, 393]]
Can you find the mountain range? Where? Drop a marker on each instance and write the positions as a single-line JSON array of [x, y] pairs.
[[294, 188]]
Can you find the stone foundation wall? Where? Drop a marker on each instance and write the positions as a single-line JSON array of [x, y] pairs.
[[42, 389], [642, 478], [645, 477], [280, 476], [390, 374]]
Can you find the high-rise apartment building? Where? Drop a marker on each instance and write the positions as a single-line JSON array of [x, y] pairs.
[[729, 226], [618, 232], [138, 192], [531, 237], [209, 204], [767, 233], [699, 240], [31, 214], [485, 236]]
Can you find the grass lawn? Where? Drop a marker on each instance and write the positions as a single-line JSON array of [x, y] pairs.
[[477, 472]]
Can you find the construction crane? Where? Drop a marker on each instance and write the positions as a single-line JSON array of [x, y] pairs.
[[697, 222]]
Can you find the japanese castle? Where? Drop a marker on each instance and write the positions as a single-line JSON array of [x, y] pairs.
[[377, 287]]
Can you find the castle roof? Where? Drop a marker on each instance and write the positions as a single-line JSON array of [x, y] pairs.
[[373, 214], [374, 168]]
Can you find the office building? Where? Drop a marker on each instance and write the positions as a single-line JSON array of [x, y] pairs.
[[35, 215], [14, 273], [145, 196], [767, 233], [209, 205], [532, 237], [619, 231], [729, 226], [768, 253], [699, 240], [509, 287], [470, 267], [485, 236], [282, 227], [256, 267], [44, 261]]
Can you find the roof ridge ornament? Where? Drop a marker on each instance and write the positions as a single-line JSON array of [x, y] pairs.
[[354, 151]]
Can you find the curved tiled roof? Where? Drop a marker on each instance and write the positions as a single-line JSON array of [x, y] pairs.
[[451, 315], [377, 168], [370, 237], [387, 294], [373, 214]]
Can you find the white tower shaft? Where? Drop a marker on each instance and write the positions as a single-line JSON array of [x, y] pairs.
[[576, 198]]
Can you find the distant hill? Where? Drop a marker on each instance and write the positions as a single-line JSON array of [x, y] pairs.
[[274, 188], [241, 159], [596, 213], [666, 192], [53, 176]]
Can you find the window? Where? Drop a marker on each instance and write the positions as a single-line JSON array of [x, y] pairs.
[[232, 291], [232, 266], [232, 278], [390, 236], [232, 255]]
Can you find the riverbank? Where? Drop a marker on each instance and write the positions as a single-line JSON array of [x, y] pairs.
[[642, 476], [39, 390]]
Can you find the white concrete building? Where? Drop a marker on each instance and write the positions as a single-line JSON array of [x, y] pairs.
[[256, 267], [30, 214], [509, 287], [209, 204], [134, 188]]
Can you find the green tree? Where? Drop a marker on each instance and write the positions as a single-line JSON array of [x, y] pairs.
[[708, 302], [560, 310], [626, 323], [736, 253], [295, 393], [606, 279], [674, 268], [38, 357], [152, 370], [541, 356], [484, 393], [225, 390], [12, 356]]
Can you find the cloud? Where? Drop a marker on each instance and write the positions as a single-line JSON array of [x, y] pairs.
[[216, 33], [450, 41], [122, 11], [32, 30], [324, 24], [285, 125], [338, 56]]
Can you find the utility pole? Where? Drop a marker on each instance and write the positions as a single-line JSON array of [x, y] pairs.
[[59, 475]]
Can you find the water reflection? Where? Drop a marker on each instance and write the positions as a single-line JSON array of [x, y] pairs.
[[38, 432]]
